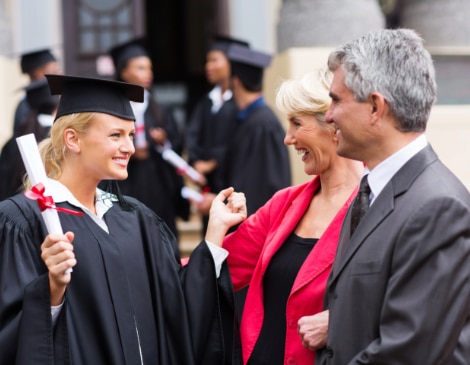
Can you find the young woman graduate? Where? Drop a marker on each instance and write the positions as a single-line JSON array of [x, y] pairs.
[[128, 299]]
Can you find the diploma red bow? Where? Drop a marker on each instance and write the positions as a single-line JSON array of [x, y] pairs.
[[46, 202]]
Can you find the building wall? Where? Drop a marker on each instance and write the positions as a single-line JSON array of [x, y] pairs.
[[11, 82], [10, 78], [255, 21], [25, 25]]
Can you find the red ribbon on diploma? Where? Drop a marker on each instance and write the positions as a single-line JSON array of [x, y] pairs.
[[46, 202]]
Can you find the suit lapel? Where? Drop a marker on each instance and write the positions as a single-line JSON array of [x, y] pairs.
[[380, 209]]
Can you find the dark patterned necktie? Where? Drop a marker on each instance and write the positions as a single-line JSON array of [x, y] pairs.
[[360, 204]]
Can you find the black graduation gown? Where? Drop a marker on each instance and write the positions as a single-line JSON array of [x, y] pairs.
[[11, 169], [154, 181], [127, 279], [257, 159], [21, 112], [208, 136]]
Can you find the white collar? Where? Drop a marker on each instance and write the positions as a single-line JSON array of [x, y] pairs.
[[384, 171], [140, 108], [45, 120], [218, 98], [103, 201]]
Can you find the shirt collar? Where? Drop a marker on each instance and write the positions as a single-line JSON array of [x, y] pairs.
[[60, 193], [45, 120], [140, 108], [218, 98], [243, 114], [384, 171]]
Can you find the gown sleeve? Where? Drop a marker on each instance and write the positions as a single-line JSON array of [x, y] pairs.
[[198, 311], [26, 333], [211, 311]]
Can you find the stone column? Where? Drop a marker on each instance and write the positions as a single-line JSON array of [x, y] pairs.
[[5, 30], [313, 23], [445, 28], [440, 23]]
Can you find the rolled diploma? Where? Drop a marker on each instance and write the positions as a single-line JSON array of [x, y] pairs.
[[178, 162], [37, 174], [188, 193]]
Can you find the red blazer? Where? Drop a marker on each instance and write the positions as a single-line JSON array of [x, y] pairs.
[[253, 245]]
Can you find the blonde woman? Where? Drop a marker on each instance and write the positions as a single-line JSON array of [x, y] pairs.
[[285, 250]]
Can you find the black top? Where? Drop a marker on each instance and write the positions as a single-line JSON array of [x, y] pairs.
[[277, 283]]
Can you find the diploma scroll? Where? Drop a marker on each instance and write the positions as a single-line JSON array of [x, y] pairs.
[[173, 158], [34, 167], [188, 193]]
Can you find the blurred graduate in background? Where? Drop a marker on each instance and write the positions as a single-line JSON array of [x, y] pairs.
[[35, 64], [213, 121], [41, 109], [151, 179]]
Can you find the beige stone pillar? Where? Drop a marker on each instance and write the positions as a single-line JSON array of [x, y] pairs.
[[313, 23]]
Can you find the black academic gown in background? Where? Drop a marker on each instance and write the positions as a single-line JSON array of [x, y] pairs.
[[209, 134], [154, 181], [12, 168], [257, 159], [21, 112], [127, 288]]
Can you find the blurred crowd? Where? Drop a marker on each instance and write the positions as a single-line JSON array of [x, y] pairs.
[[231, 138]]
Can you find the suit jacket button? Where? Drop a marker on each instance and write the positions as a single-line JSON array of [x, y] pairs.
[[329, 351]]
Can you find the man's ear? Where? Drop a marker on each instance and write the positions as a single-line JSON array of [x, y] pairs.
[[71, 140], [378, 105]]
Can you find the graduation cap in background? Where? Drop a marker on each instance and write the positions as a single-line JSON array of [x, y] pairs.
[[39, 96], [82, 94], [248, 64], [122, 53], [32, 60], [222, 43]]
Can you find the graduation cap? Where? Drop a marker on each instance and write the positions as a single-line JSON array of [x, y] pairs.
[[39, 96], [32, 60], [122, 53], [248, 64], [222, 43], [82, 94]]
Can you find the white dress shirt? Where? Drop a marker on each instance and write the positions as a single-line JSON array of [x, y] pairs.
[[218, 99], [384, 171]]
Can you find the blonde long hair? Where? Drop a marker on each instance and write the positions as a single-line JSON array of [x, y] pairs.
[[53, 148]]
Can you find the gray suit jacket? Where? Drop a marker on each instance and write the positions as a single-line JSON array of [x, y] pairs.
[[399, 290]]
